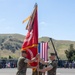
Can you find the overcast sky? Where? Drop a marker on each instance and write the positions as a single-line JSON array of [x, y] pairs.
[[56, 18]]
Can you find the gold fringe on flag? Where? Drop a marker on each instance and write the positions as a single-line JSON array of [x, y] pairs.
[[26, 19]]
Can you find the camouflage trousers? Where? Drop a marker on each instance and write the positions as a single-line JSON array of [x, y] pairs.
[[21, 73]]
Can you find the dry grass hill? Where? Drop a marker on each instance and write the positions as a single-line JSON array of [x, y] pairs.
[[10, 45]]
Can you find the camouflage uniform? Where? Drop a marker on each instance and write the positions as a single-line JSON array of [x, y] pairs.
[[36, 72], [41, 66], [22, 66], [53, 70]]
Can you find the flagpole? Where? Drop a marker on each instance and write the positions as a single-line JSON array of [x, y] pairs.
[[54, 49], [38, 61], [36, 6]]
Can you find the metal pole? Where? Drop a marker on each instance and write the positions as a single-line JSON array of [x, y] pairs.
[[54, 48]]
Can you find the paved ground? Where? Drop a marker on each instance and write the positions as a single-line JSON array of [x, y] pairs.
[[10, 71]]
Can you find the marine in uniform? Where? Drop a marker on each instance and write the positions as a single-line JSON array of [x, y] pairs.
[[51, 66], [22, 64]]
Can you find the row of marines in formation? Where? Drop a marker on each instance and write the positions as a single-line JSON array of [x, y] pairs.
[[50, 67]]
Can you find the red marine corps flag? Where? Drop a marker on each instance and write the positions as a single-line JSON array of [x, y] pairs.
[[30, 43]]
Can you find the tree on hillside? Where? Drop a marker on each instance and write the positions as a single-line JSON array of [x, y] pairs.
[[10, 57], [70, 53]]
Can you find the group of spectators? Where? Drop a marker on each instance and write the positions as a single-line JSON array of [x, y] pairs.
[[13, 64], [66, 64], [8, 63]]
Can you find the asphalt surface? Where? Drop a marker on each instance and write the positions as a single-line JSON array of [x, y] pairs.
[[60, 71]]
